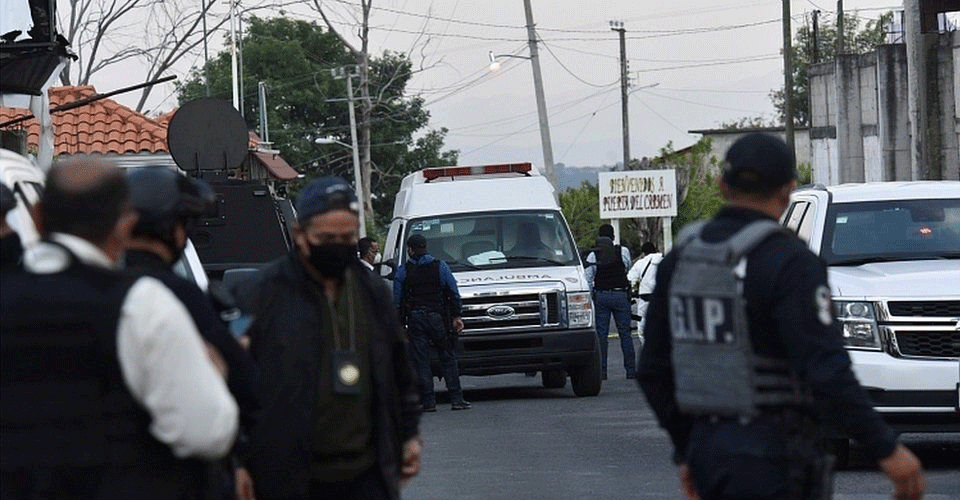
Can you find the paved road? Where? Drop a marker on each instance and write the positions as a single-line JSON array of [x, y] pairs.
[[521, 441]]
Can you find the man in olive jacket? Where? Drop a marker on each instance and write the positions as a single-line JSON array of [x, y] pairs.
[[340, 412]]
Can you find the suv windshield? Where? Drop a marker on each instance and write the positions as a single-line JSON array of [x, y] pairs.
[[878, 231], [498, 240]]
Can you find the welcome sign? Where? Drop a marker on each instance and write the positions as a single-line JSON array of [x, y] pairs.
[[638, 193]]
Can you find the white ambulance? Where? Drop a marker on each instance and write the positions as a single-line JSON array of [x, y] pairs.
[[526, 301]]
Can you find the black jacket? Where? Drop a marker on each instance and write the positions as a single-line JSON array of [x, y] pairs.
[[781, 288], [283, 339]]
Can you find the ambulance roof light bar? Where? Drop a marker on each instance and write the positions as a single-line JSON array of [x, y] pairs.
[[501, 168]]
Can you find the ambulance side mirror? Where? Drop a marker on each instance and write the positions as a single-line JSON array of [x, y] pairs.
[[386, 269]]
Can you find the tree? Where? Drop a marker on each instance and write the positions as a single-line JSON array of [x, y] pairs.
[[857, 40], [361, 55], [304, 101], [697, 170], [157, 33], [581, 208]]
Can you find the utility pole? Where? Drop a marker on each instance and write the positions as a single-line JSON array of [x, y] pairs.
[[840, 44], [624, 84], [206, 57], [787, 76], [262, 95], [541, 101], [240, 59], [816, 36], [357, 178], [233, 55]]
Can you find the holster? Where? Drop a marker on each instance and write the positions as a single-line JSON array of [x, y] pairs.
[[810, 476]]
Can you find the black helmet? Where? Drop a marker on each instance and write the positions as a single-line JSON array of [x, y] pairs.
[[162, 197], [7, 201]]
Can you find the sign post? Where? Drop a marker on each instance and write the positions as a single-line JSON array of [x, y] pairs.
[[640, 194]]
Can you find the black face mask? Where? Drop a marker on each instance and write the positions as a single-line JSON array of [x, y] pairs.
[[331, 260]]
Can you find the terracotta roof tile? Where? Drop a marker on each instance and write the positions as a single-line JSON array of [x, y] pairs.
[[101, 127]]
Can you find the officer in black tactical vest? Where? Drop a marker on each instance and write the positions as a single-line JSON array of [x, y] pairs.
[[428, 301], [606, 273], [107, 392], [166, 202], [743, 358]]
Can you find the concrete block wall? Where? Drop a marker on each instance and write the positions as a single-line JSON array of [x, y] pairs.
[[948, 68], [860, 117], [823, 124]]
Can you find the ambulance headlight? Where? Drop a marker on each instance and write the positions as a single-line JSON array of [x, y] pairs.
[[858, 322], [579, 310]]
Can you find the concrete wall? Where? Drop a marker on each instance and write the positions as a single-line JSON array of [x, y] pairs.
[[860, 117], [948, 67], [823, 124]]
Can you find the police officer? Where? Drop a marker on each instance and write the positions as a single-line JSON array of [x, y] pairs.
[[743, 360], [607, 275], [107, 391], [166, 202], [427, 297], [10, 247]]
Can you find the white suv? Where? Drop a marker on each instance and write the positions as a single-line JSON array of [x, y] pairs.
[[893, 251]]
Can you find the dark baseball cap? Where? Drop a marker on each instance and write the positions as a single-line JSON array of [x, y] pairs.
[[758, 163], [325, 194], [417, 242]]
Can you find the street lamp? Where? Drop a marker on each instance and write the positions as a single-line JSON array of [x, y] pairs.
[[541, 109], [495, 65], [356, 178]]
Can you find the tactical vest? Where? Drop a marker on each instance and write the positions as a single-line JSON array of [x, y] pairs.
[[715, 368], [423, 286], [64, 401], [611, 274]]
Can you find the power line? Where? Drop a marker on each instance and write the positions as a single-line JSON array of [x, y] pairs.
[[702, 104], [564, 66], [521, 115], [650, 33], [717, 63]]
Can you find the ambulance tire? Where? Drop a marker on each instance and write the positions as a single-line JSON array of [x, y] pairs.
[[585, 379], [554, 379]]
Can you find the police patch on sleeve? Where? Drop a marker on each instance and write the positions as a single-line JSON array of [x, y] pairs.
[[821, 297]]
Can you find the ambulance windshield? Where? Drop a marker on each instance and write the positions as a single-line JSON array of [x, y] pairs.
[[498, 240]]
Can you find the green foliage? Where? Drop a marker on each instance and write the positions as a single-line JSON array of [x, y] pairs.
[[857, 40], [294, 59], [702, 200], [748, 122], [581, 208], [804, 173], [697, 171]]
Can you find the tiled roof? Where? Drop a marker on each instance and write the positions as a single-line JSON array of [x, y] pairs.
[[276, 165], [100, 127]]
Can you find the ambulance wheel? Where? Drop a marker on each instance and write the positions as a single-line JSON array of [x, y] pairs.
[[585, 379], [554, 379]]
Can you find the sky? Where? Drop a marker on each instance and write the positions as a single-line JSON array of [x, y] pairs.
[[693, 65]]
